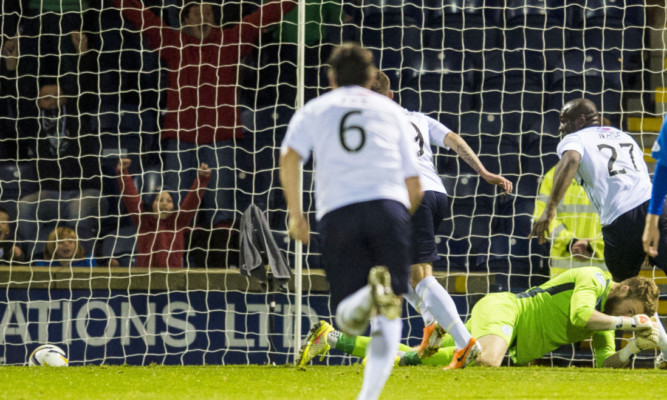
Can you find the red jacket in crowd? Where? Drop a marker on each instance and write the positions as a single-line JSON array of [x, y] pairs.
[[160, 243], [201, 97]]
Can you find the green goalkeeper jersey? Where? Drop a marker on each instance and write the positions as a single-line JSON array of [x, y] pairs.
[[556, 313]]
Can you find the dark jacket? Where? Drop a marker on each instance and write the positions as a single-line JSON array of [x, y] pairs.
[[259, 248]]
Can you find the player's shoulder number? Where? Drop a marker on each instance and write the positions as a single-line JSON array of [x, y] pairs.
[[623, 151], [345, 129]]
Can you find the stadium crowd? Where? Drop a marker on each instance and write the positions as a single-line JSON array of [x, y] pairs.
[[172, 84]]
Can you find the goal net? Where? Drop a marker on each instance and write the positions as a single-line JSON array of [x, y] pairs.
[[169, 85]]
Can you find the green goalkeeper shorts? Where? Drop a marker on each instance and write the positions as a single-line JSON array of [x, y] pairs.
[[495, 314]]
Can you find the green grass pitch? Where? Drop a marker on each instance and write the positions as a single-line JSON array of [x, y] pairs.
[[322, 382]]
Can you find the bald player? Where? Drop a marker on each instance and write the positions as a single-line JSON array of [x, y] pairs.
[[610, 166]]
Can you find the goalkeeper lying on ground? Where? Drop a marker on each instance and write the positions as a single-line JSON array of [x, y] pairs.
[[579, 304]]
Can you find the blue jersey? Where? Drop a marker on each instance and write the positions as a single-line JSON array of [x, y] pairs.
[[89, 261], [659, 152]]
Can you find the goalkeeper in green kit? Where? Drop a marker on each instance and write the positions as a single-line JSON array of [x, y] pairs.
[[579, 304]]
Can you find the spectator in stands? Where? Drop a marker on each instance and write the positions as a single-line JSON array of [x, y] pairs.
[[562, 311], [55, 134], [10, 251], [160, 242], [63, 249], [8, 133], [67, 158], [202, 120], [48, 23], [576, 233]]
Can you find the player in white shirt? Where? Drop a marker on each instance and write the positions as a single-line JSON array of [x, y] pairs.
[[610, 165], [426, 294], [366, 183]]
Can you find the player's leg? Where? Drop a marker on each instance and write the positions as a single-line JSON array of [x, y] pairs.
[[380, 355], [348, 261], [494, 348], [346, 270], [323, 337], [623, 249], [436, 300], [492, 322], [443, 356], [387, 227], [492, 353]]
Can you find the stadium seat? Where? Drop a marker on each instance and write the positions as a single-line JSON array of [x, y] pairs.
[[121, 245], [17, 179], [615, 25], [469, 194], [539, 144], [459, 254], [439, 85], [128, 72], [469, 26], [512, 85], [271, 120], [391, 29], [128, 132], [591, 74], [517, 259], [463, 236], [535, 25], [149, 180]]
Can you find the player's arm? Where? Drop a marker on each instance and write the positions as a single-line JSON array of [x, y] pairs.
[[414, 192], [158, 35], [409, 161], [642, 341], [561, 235], [565, 171], [651, 235], [290, 162], [646, 337], [599, 321], [461, 148], [192, 201], [604, 346], [589, 286], [250, 28]]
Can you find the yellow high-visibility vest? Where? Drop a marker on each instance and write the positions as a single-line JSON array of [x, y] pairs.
[[576, 218]]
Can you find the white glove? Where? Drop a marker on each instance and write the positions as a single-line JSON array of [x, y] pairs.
[[644, 340], [648, 338], [639, 322]]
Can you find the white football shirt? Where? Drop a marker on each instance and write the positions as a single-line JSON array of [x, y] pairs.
[[428, 131], [612, 170], [361, 145]]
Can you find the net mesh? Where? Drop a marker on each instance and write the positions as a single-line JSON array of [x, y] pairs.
[[84, 83]]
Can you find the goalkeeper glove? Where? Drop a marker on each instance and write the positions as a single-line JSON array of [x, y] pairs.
[[648, 339], [639, 322], [645, 341]]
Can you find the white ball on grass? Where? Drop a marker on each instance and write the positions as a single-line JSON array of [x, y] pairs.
[[48, 355]]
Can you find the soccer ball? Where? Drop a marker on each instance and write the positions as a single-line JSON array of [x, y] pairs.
[[48, 355]]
